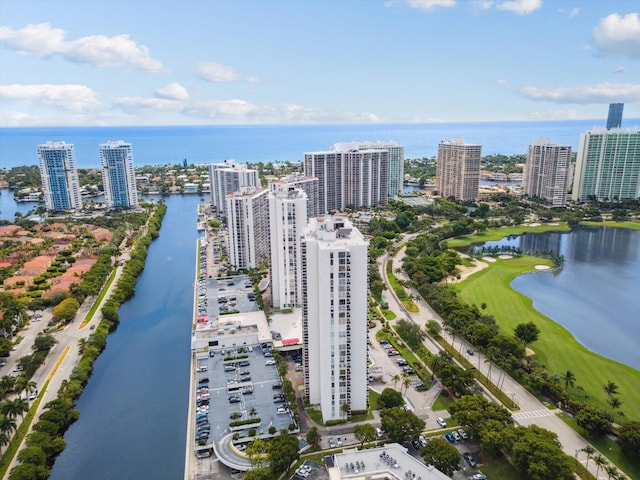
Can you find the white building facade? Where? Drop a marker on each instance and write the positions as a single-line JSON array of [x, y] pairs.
[[546, 172], [309, 185], [59, 174], [228, 177], [248, 224], [287, 218], [348, 177], [118, 174], [607, 165], [458, 170], [334, 316]]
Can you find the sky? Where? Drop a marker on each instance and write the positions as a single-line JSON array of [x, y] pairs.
[[224, 62]]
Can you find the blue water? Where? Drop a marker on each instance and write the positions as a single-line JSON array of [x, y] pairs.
[[279, 143], [595, 295], [133, 411]]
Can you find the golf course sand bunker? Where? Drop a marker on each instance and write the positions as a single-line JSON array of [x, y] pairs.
[[542, 267]]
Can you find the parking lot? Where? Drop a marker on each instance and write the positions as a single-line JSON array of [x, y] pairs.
[[220, 296]]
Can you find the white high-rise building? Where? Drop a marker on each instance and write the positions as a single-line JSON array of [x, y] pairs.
[[546, 172], [395, 183], [308, 185], [334, 315], [607, 165], [118, 174], [288, 217], [248, 224], [458, 170], [59, 175], [349, 178], [228, 177]]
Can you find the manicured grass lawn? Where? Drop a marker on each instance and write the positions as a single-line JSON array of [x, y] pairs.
[[492, 234], [443, 402], [498, 469], [556, 347], [389, 314], [631, 225], [609, 449]]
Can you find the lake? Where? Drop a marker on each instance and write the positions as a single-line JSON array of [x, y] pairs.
[[595, 295]]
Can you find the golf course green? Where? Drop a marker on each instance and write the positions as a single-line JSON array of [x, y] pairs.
[[556, 347]]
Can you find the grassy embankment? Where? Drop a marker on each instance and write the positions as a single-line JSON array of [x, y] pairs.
[[611, 224], [556, 347], [98, 301], [399, 290], [493, 234]]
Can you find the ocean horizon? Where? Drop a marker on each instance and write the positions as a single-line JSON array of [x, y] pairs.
[[202, 144]]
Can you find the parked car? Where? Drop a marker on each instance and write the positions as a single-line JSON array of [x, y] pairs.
[[339, 441], [332, 443], [463, 434], [479, 476], [441, 422], [470, 460], [449, 437], [456, 435]]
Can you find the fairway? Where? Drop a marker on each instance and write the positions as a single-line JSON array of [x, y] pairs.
[[556, 347], [494, 234]]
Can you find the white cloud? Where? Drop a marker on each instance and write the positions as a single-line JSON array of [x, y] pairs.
[[214, 72], [133, 105], [618, 36], [574, 12], [482, 4], [601, 93], [521, 7], [619, 69], [172, 91], [72, 98], [566, 114], [501, 81], [429, 5], [99, 50]]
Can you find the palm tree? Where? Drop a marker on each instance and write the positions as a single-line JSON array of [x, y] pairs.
[[31, 386], [600, 461], [406, 383], [5, 439], [611, 471], [83, 344], [589, 450], [13, 408], [396, 378], [7, 425], [615, 403], [569, 379], [7, 383], [21, 384], [253, 412], [610, 388]]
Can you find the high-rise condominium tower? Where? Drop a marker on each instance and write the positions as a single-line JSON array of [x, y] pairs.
[[607, 165], [118, 174], [395, 183], [458, 171], [228, 177], [546, 172], [288, 217], [614, 119], [349, 178], [59, 175], [309, 185], [248, 224], [334, 316]]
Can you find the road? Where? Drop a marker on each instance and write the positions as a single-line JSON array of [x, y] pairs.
[[530, 409]]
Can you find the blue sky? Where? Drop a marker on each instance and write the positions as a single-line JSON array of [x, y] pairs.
[[196, 62]]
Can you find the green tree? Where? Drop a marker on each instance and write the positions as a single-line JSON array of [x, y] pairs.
[[610, 388], [66, 310], [29, 471], [313, 437], [442, 455], [43, 343], [33, 455], [400, 425], [538, 454], [364, 433], [283, 451], [390, 398], [594, 421], [527, 333], [259, 473], [475, 413], [629, 439], [589, 450], [569, 379], [433, 328]]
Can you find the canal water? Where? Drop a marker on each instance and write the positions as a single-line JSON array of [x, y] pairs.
[[595, 295], [133, 412]]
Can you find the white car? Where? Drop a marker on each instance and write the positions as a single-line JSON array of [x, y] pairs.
[[441, 422], [338, 441], [33, 395], [270, 362]]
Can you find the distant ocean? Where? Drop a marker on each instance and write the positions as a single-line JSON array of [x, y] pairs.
[[280, 143]]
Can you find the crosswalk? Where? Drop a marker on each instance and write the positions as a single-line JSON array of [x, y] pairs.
[[532, 414]]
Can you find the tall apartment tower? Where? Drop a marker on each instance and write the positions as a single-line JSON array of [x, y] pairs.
[[614, 119], [334, 316], [228, 177], [349, 178], [458, 170], [395, 183], [248, 224], [309, 185], [118, 174], [607, 165], [288, 217], [546, 172], [59, 175]]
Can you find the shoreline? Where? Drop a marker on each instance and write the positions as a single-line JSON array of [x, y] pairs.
[[557, 347]]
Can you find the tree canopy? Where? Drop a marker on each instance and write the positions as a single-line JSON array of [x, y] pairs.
[[400, 425], [442, 455]]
